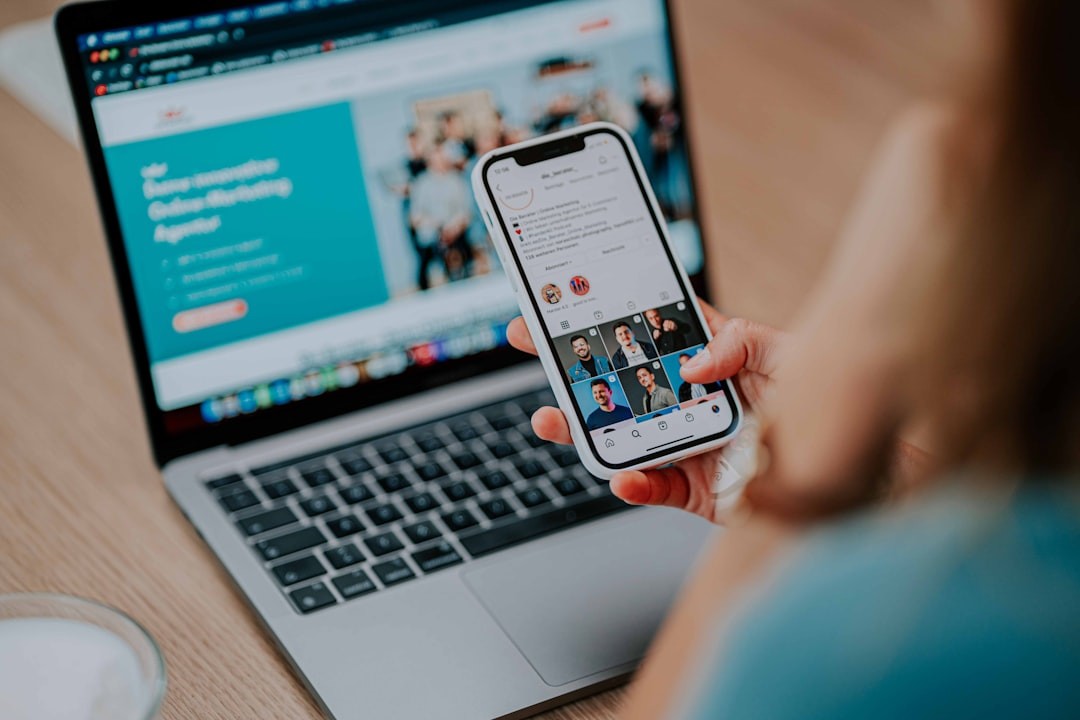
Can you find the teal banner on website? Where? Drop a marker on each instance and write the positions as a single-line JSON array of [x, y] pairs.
[[246, 229]]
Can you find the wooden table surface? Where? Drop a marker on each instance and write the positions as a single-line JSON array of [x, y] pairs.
[[787, 99]]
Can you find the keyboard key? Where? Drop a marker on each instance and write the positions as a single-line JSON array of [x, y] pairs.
[[354, 584], [277, 489], [421, 503], [436, 557], [394, 482], [312, 597], [344, 556], [459, 520], [282, 545], [345, 525], [383, 544], [238, 500], [429, 471], [261, 522], [496, 508], [358, 492], [458, 491], [529, 468], [501, 422], [298, 570], [354, 464], [392, 453], [502, 449], [497, 538], [464, 431], [317, 476], [494, 480], [382, 514], [225, 481], [532, 439], [422, 532], [564, 456], [531, 497], [466, 460], [317, 505], [428, 442], [568, 486], [393, 572]]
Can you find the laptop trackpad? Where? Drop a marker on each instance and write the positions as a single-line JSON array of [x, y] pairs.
[[592, 601]]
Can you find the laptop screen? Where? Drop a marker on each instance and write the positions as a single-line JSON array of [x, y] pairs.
[[290, 181]]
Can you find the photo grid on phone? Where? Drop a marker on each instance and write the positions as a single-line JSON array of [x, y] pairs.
[[627, 370]]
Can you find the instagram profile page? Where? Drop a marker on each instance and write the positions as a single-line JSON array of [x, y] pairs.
[[617, 314]]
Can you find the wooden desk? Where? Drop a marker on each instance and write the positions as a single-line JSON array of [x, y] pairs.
[[787, 99]]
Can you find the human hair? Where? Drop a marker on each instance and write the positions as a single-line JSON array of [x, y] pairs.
[[575, 338], [1005, 305], [621, 324], [600, 381], [646, 368], [992, 370]]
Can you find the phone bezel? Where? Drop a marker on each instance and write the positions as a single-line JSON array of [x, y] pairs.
[[560, 145]]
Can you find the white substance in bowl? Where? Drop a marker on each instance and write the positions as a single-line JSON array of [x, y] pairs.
[[55, 669]]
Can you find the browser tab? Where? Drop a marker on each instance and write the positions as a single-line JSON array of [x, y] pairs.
[[176, 26]]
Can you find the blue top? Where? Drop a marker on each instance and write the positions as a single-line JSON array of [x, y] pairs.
[[959, 607], [600, 418], [577, 371]]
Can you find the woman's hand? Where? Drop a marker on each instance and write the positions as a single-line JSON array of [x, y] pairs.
[[740, 349]]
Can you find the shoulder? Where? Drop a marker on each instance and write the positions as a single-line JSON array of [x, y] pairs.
[[954, 607]]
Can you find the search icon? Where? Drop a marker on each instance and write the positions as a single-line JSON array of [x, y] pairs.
[[635, 433]]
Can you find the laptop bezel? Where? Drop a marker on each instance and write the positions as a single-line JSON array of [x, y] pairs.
[[74, 20]]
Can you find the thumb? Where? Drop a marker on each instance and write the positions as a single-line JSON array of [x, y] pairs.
[[737, 345]]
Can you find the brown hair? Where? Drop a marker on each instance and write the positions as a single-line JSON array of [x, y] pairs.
[[995, 368], [1000, 377]]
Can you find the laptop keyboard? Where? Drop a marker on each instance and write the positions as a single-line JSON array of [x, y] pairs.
[[356, 519]]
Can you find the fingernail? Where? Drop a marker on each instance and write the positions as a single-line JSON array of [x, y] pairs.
[[699, 360]]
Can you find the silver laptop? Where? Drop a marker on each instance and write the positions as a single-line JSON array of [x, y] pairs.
[[329, 393]]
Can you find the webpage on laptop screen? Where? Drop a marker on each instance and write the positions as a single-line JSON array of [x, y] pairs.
[[299, 220]]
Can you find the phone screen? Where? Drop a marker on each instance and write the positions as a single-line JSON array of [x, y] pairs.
[[615, 310]]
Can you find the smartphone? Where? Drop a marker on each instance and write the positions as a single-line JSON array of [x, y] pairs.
[[577, 227]]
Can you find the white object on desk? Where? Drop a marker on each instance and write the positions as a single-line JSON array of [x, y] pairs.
[[32, 71], [58, 669]]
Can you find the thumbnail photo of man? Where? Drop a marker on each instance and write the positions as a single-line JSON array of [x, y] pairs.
[[657, 396], [648, 389], [579, 358], [684, 391], [606, 399], [633, 349], [672, 328]]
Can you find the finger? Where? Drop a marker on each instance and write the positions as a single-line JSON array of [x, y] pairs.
[[666, 486], [550, 424], [519, 336], [738, 344]]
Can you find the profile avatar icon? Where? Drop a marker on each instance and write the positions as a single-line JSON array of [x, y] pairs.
[[551, 294], [579, 285]]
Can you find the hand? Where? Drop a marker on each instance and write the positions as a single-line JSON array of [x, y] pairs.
[[740, 349]]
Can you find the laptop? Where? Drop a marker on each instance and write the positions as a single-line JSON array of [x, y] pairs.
[[329, 394]]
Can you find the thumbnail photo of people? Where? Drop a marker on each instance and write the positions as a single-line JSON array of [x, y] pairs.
[[687, 393], [647, 388], [420, 144], [673, 327], [630, 340], [602, 401], [583, 355]]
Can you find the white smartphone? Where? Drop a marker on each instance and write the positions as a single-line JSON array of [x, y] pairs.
[[581, 236]]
